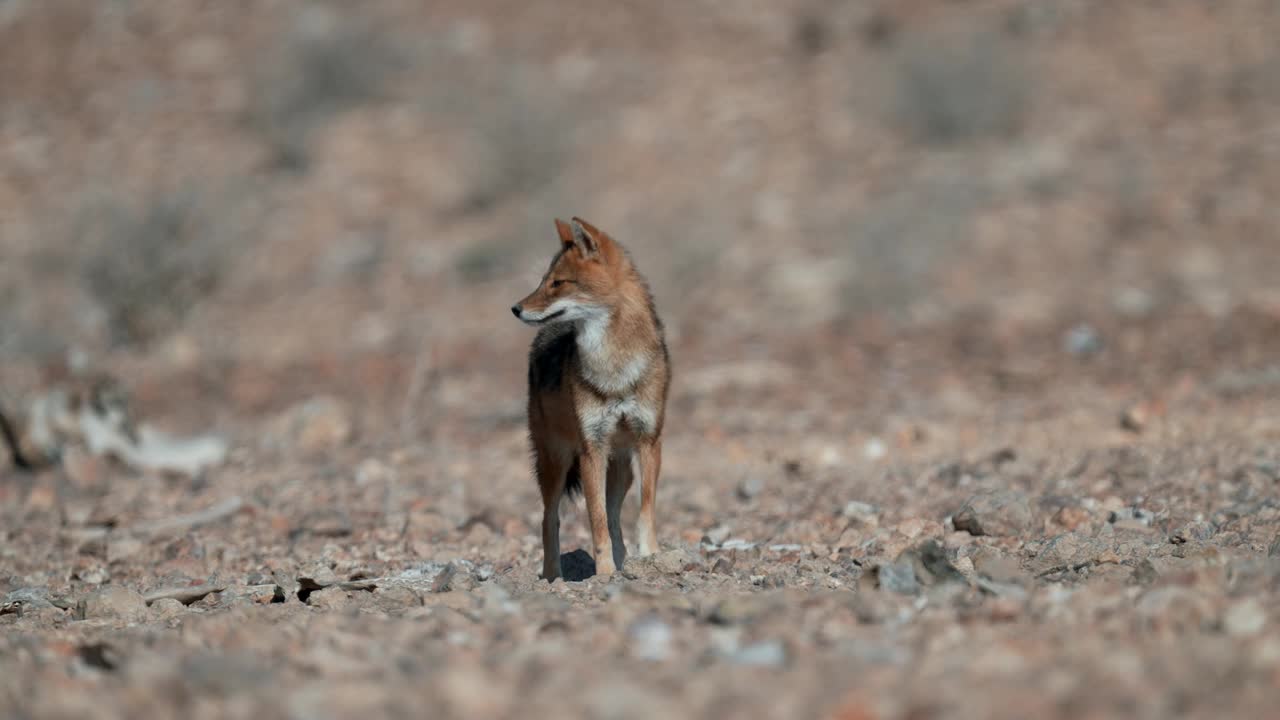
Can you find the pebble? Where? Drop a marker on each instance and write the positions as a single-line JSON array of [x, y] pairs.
[[1134, 515], [113, 602], [996, 513], [717, 534], [858, 510], [751, 487], [898, 577], [166, 608], [330, 598], [1068, 551], [650, 639], [767, 653], [673, 562], [319, 424], [25, 599], [1244, 618], [997, 566], [328, 522], [1082, 340]]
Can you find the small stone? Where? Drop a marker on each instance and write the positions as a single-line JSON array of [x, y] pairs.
[[1134, 419], [329, 522], [317, 575], [717, 534], [912, 527], [1130, 515], [264, 594], [898, 577], [1132, 302], [930, 564], [650, 639], [1071, 517], [674, 561], [875, 449], [372, 470], [317, 425], [25, 599], [1082, 340], [1196, 531], [93, 575], [330, 598], [1068, 551], [751, 487], [394, 597], [1244, 618], [113, 602], [998, 567], [767, 653], [1138, 416], [166, 608], [996, 513], [858, 510], [432, 577]]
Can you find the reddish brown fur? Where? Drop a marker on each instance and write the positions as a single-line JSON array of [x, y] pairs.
[[599, 374]]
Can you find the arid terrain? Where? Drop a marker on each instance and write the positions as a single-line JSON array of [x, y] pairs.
[[973, 309]]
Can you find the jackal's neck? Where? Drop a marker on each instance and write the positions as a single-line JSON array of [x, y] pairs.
[[615, 348]]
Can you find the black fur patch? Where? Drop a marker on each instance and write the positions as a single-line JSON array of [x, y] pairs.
[[547, 363], [573, 480]]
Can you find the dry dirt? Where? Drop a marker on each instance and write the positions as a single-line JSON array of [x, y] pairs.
[[972, 305]]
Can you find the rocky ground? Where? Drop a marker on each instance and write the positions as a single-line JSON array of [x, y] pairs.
[[976, 409]]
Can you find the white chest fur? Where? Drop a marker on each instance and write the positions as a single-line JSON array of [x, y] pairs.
[[604, 421], [616, 375], [609, 371]]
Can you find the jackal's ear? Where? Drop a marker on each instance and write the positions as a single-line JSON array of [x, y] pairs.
[[565, 232], [585, 236]]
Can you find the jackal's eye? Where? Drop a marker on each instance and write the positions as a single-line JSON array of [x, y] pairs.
[[558, 283]]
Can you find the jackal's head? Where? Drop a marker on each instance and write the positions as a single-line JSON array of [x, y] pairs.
[[580, 281]]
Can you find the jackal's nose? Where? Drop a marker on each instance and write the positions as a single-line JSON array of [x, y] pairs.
[[515, 310]]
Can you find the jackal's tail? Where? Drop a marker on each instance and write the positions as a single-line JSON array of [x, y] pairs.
[[573, 480]]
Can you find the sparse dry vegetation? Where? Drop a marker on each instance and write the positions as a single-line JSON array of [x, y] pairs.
[[148, 265], [329, 63], [959, 88]]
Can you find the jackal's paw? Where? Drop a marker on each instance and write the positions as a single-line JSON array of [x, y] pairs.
[[646, 545]]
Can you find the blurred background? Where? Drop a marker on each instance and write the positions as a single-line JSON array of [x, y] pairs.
[[239, 204]]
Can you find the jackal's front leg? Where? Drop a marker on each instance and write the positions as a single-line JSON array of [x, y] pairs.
[[551, 478], [593, 464]]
